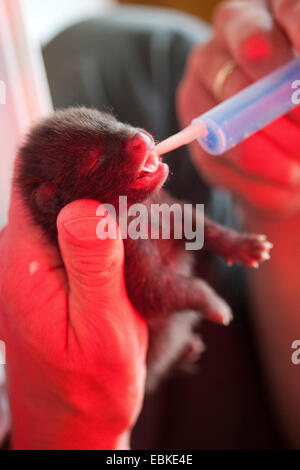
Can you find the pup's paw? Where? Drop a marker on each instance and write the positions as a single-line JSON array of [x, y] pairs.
[[250, 250], [194, 349]]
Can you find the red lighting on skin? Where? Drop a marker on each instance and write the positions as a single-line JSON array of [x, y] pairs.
[[256, 48]]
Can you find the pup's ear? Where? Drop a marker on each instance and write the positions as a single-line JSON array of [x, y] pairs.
[[46, 198]]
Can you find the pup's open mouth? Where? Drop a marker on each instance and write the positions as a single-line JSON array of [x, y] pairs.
[[153, 172], [151, 164]]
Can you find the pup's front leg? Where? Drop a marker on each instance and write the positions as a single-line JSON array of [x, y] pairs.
[[245, 248]]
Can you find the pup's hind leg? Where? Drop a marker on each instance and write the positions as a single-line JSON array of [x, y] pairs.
[[172, 339], [248, 249], [172, 342], [191, 293]]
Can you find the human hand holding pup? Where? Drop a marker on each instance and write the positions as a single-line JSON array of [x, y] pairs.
[[75, 376], [250, 39]]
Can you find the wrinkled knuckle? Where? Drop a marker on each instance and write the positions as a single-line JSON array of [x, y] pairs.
[[94, 273], [224, 11], [196, 57]]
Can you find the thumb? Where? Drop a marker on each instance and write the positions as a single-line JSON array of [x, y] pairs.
[[92, 251]]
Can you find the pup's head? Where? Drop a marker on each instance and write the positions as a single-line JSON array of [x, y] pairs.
[[82, 153]]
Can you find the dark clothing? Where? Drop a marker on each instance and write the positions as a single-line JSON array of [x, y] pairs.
[[131, 63]]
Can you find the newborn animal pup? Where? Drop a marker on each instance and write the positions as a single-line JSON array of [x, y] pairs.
[[81, 153]]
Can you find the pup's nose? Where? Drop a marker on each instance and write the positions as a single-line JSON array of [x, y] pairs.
[[147, 138], [141, 142]]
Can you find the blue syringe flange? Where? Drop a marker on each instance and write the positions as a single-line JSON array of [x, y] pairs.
[[214, 141]]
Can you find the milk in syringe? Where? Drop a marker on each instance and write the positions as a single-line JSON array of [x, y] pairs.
[[237, 118]]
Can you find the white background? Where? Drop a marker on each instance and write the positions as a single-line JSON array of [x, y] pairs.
[[47, 17]]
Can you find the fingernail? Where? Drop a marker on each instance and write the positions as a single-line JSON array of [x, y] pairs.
[[256, 48], [84, 228]]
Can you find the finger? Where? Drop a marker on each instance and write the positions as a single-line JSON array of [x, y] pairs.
[[285, 132], [98, 305], [249, 32], [287, 14], [258, 194], [208, 60], [192, 99], [92, 250], [261, 157]]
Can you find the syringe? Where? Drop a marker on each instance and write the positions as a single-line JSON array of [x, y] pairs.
[[245, 113]]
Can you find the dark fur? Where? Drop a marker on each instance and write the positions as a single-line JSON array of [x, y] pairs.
[[82, 153]]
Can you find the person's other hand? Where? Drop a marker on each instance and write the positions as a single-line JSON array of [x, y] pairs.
[[263, 171], [76, 347]]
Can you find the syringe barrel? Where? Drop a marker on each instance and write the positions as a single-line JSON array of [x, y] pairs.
[[250, 110]]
